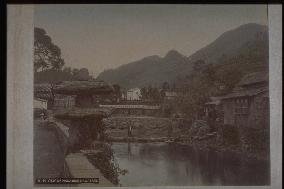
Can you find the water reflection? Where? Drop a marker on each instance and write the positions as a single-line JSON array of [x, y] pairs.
[[129, 150], [159, 164]]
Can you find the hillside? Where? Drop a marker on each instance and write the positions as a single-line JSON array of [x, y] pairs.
[[151, 70], [248, 43], [230, 43]]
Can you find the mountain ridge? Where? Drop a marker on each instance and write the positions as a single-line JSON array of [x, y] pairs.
[[154, 70]]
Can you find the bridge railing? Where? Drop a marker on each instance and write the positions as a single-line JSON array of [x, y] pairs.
[[130, 106]]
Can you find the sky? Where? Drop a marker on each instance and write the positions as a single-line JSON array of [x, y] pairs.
[[100, 37]]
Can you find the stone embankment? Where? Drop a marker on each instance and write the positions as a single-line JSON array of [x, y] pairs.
[[144, 129], [75, 165], [155, 129]]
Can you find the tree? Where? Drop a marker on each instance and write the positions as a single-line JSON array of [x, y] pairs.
[[83, 74], [165, 86], [75, 72], [173, 86], [156, 94], [117, 91], [198, 65], [229, 78], [67, 70], [47, 55], [150, 92], [144, 93]]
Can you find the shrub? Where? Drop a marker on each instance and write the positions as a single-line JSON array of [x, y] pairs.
[[104, 160], [231, 135]]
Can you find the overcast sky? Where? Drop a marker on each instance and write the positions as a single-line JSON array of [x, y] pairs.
[[99, 37]]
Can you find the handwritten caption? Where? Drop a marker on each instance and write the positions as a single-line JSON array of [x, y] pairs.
[[66, 180]]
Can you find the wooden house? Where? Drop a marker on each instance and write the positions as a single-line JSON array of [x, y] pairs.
[[40, 103], [170, 95], [248, 104], [83, 117], [214, 108], [64, 101], [42, 96]]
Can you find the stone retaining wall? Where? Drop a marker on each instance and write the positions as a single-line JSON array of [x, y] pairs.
[[144, 127]]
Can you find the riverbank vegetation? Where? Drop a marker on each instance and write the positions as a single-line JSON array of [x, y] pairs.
[[104, 160]]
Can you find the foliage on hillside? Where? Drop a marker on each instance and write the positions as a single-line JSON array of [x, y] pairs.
[[152, 70], [209, 80]]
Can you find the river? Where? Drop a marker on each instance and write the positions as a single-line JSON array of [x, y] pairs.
[[161, 164]]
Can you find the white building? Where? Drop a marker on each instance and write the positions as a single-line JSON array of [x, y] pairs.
[[133, 94], [170, 95], [40, 103]]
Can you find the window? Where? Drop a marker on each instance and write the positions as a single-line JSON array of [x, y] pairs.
[[241, 106]]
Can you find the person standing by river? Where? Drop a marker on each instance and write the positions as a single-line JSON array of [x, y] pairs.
[[129, 130], [170, 127], [170, 130]]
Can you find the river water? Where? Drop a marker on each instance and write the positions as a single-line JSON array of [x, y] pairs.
[[160, 164]]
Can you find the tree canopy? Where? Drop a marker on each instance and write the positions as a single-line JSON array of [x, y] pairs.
[[49, 66], [47, 55]]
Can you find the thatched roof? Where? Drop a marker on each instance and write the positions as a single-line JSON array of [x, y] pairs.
[[82, 113], [42, 91], [253, 78], [83, 87]]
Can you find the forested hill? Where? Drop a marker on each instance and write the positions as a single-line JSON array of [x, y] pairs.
[[247, 44], [230, 43], [151, 70]]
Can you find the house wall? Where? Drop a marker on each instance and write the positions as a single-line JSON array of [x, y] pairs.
[[42, 104], [133, 94], [103, 99], [84, 101], [229, 111], [259, 111], [242, 111], [170, 95], [64, 102]]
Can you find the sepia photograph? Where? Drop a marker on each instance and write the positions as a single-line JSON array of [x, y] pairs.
[[150, 95], [144, 95]]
